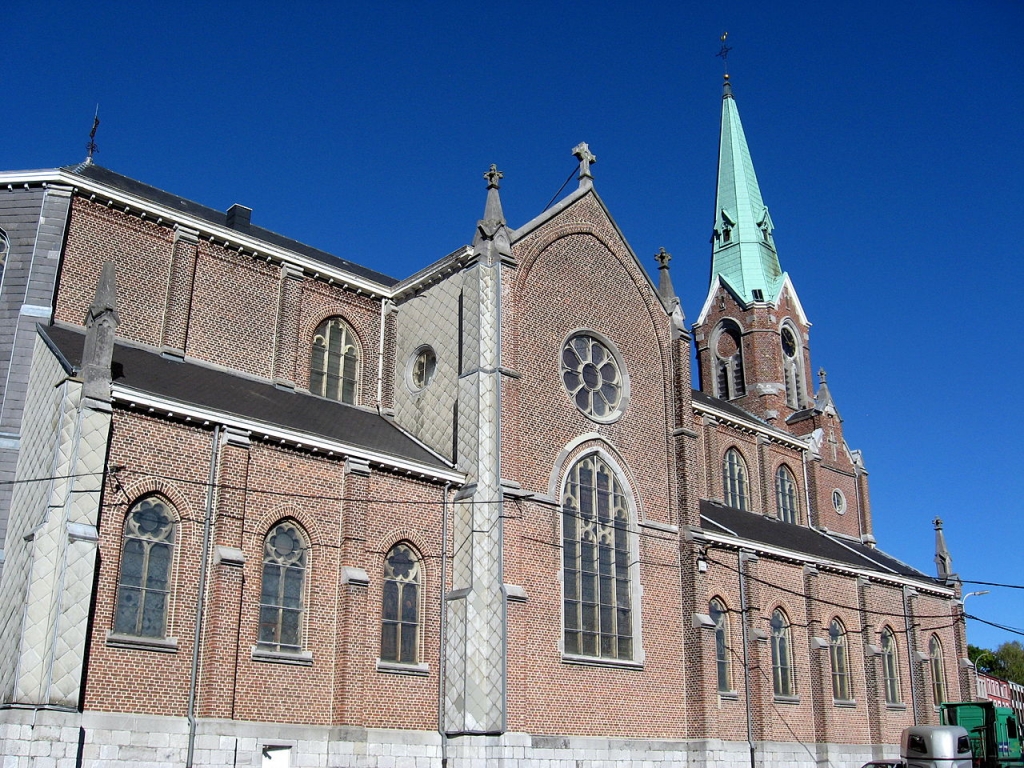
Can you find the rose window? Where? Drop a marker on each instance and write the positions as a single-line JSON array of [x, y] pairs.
[[590, 373]]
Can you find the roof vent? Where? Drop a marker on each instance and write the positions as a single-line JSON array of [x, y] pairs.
[[238, 217], [758, 294]]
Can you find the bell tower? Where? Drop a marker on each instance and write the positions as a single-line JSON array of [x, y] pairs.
[[752, 335]]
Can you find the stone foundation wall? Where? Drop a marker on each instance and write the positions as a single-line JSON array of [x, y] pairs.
[[56, 739]]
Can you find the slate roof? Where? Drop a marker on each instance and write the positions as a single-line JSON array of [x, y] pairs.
[[739, 413], [801, 540], [213, 216], [224, 392]]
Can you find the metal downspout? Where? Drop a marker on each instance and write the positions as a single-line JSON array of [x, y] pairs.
[[442, 638], [743, 558], [207, 526], [911, 648], [807, 489], [385, 307]]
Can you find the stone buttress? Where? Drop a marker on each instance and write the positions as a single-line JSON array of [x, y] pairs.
[[475, 647]]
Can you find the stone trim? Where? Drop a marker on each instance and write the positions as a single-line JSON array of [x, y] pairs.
[[135, 643], [295, 658], [396, 668]]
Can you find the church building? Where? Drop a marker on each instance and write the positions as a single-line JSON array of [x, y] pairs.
[[261, 505]]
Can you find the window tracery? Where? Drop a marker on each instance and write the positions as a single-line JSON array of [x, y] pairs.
[[334, 361], [400, 612], [598, 600], [143, 591], [283, 586]]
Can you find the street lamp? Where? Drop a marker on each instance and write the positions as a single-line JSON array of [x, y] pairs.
[[963, 600]]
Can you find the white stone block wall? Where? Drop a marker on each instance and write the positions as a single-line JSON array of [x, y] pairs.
[[50, 739]]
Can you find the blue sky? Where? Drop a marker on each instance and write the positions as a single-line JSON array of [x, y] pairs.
[[887, 140]]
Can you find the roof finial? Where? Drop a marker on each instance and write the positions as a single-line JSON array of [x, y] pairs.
[[943, 560], [91, 146], [582, 151], [822, 376], [493, 176]]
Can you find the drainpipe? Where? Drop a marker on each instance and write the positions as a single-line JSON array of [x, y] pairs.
[[441, 642], [744, 558], [807, 489], [911, 653], [385, 309], [207, 526]]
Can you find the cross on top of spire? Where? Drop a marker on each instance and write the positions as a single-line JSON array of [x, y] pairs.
[[493, 176], [586, 157], [723, 54], [663, 257]]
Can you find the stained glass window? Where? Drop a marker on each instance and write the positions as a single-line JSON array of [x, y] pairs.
[[782, 655], [281, 597], [591, 375], [143, 589], [598, 603], [400, 617]]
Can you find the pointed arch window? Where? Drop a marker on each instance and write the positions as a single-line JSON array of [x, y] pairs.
[[400, 614], [334, 363], [782, 655], [890, 667], [839, 656], [734, 480], [284, 581], [792, 366], [143, 589], [596, 563], [727, 348], [785, 495], [720, 617], [938, 670]]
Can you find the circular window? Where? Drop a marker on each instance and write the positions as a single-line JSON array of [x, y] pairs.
[[788, 343], [422, 367], [839, 501], [591, 374]]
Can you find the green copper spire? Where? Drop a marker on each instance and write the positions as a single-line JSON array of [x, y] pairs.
[[743, 250]]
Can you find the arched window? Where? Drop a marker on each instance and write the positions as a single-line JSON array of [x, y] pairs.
[[785, 495], [782, 655], [727, 349], [334, 365], [5, 249], [938, 669], [792, 367], [720, 617], [400, 614], [839, 656], [143, 588], [890, 667], [734, 480], [284, 580], [598, 602]]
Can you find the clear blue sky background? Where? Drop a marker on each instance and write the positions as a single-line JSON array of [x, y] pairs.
[[887, 138]]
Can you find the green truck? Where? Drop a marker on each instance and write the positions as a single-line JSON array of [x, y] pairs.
[[994, 732]]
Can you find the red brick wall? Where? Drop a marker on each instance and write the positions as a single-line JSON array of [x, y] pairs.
[[349, 521], [234, 304]]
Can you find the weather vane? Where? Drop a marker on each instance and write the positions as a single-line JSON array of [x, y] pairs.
[[91, 146], [723, 54]]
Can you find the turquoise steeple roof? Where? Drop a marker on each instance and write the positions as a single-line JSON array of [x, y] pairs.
[[743, 252]]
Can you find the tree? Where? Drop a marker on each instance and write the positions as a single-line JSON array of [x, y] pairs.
[[1006, 661]]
